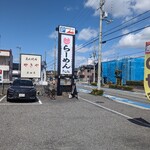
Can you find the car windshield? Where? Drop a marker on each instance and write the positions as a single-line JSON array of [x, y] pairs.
[[22, 83]]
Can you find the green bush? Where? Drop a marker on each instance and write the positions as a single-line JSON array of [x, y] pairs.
[[135, 83], [94, 83], [97, 92], [127, 88]]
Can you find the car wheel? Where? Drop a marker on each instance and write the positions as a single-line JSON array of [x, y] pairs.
[[35, 99], [7, 99]]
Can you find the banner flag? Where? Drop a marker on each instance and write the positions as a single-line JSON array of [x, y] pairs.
[[147, 70]]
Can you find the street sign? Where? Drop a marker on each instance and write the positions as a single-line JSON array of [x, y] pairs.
[[30, 66], [66, 58], [66, 30]]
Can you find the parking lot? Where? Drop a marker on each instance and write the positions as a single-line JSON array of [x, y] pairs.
[[89, 122]]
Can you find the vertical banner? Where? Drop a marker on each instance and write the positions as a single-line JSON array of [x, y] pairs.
[[66, 54], [147, 70]]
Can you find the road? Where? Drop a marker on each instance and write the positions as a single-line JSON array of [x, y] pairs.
[[89, 123], [137, 96]]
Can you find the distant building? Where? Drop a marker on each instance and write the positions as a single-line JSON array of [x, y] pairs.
[[15, 71], [86, 73], [6, 62], [50, 74], [131, 69]]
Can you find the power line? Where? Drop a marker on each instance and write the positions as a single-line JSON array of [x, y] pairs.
[[126, 33], [95, 39], [127, 26], [81, 13], [129, 54], [50, 61], [127, 21], [88, 42]]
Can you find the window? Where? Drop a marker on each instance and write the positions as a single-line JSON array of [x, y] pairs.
[[22, 83]]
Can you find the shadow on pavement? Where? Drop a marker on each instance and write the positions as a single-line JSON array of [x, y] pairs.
[[140, 122], [23, 101]]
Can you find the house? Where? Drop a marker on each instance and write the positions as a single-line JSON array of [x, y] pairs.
[[86, 73], [6, 62]]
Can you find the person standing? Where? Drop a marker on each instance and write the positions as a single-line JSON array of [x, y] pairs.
[[74, 92]]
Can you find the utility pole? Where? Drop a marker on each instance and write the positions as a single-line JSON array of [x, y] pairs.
[[19, 52], [55, 58], [45, 56], [94, 55], [100, 43]]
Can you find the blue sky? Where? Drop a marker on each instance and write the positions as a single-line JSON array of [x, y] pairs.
[[31, 25]]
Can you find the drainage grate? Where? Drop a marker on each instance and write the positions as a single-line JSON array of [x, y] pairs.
[[99, 102]]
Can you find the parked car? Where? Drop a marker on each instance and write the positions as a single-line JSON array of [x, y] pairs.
[[21, 89]]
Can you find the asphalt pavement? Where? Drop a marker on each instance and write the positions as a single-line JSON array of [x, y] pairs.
[[88, 123]]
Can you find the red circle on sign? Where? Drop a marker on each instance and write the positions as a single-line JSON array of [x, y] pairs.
[[66, 40]]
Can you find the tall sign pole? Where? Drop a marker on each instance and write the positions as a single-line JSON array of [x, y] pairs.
[[55, 58], [66, 58], [100, 44]]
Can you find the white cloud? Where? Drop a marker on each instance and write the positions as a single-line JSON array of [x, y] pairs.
[[80, 60], [120, 8], [141, 5], [136, 40], [117, 8], [87, 33], [108, 54], [53, 35], [92, 3], [125, 31], [84, 49], [69, 8]]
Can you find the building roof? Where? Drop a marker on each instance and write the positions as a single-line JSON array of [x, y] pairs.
[[87, 67]]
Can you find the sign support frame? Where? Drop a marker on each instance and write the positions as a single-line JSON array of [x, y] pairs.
[[65, 88]]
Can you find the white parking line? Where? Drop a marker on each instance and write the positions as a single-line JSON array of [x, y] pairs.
[[126, 101], [40, 102], [2, 98], [113, 111], [19, 104]]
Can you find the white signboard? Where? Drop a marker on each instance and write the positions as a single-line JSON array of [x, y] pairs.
[[66, 54], [4, 53], [67, 30], [30, 66]]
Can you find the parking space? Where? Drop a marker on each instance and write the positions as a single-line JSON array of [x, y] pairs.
[[3, 101], [41, 99]]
